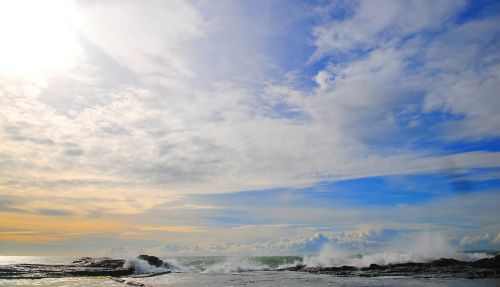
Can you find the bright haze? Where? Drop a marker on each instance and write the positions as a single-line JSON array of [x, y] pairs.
[[247, 127]]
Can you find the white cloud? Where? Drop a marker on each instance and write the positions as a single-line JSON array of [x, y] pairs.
[[140, 110], [397, 54], [334, 248], [375, 23], [152, 39], [497, 239], [480, 242], [464, 77]]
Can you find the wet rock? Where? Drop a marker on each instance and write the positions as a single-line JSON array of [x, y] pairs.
[[441, 268], [446, 262], [152, 260], [297, 267], [85, 266], [372, 267], [103, 262], [493, 263]]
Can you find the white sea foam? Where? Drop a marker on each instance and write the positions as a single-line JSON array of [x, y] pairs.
[[236, 265], [175, 266], [425, 248], [226, 266], [142, 266], [286, 265]]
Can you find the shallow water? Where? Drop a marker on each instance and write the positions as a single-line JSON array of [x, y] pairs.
[[62, 282], [262, 278], [259, 279], [36, 259]]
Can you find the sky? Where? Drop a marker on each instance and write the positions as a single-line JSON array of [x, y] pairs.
[[247, 127]]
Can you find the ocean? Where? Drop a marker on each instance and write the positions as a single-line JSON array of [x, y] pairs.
[[229, 271]]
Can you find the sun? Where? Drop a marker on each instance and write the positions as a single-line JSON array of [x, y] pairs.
[[36, 36]]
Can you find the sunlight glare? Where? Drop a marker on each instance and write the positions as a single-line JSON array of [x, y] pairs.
[[36, 36]]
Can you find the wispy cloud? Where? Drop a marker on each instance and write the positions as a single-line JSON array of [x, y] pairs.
[[152, 104]]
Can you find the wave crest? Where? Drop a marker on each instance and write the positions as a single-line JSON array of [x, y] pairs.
[[425, 248]]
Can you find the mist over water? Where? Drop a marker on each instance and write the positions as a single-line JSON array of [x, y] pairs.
[[141, 266], [237, 265], [216, 264], [424, 248], [251, 271]]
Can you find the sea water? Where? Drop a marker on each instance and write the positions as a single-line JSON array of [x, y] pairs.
[[230, 271]]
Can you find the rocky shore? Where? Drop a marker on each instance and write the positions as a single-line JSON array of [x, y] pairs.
[[441, 268], [87, 266], [82, 267]]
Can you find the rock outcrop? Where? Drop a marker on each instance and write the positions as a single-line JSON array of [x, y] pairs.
[[103, 262], [86, 266], [93, 267], [441, 268], [153, 260]]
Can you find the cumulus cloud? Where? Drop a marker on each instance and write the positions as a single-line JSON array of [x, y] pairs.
[[290, 246], [331, 249], [370, 24]]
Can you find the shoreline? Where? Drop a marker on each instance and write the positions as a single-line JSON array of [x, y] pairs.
[[93, 267]]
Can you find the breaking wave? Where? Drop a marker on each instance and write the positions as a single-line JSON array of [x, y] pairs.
[[244, 264], [425, 248], [142, 266], [236, 265], [216, 264]]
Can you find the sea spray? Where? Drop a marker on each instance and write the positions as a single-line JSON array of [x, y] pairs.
[[255, 263], [215, 264], [236, 264], [142, 266], [424, 248], [223, 264], [176, 266]]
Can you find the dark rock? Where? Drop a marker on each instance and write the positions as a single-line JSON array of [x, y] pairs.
[[407, 264], [152, 260], [297, 267], [85, 266], [103, 262], [334, 270], [372, 267], [493, 262], [348, 268], [441, 268], [445, 262]]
